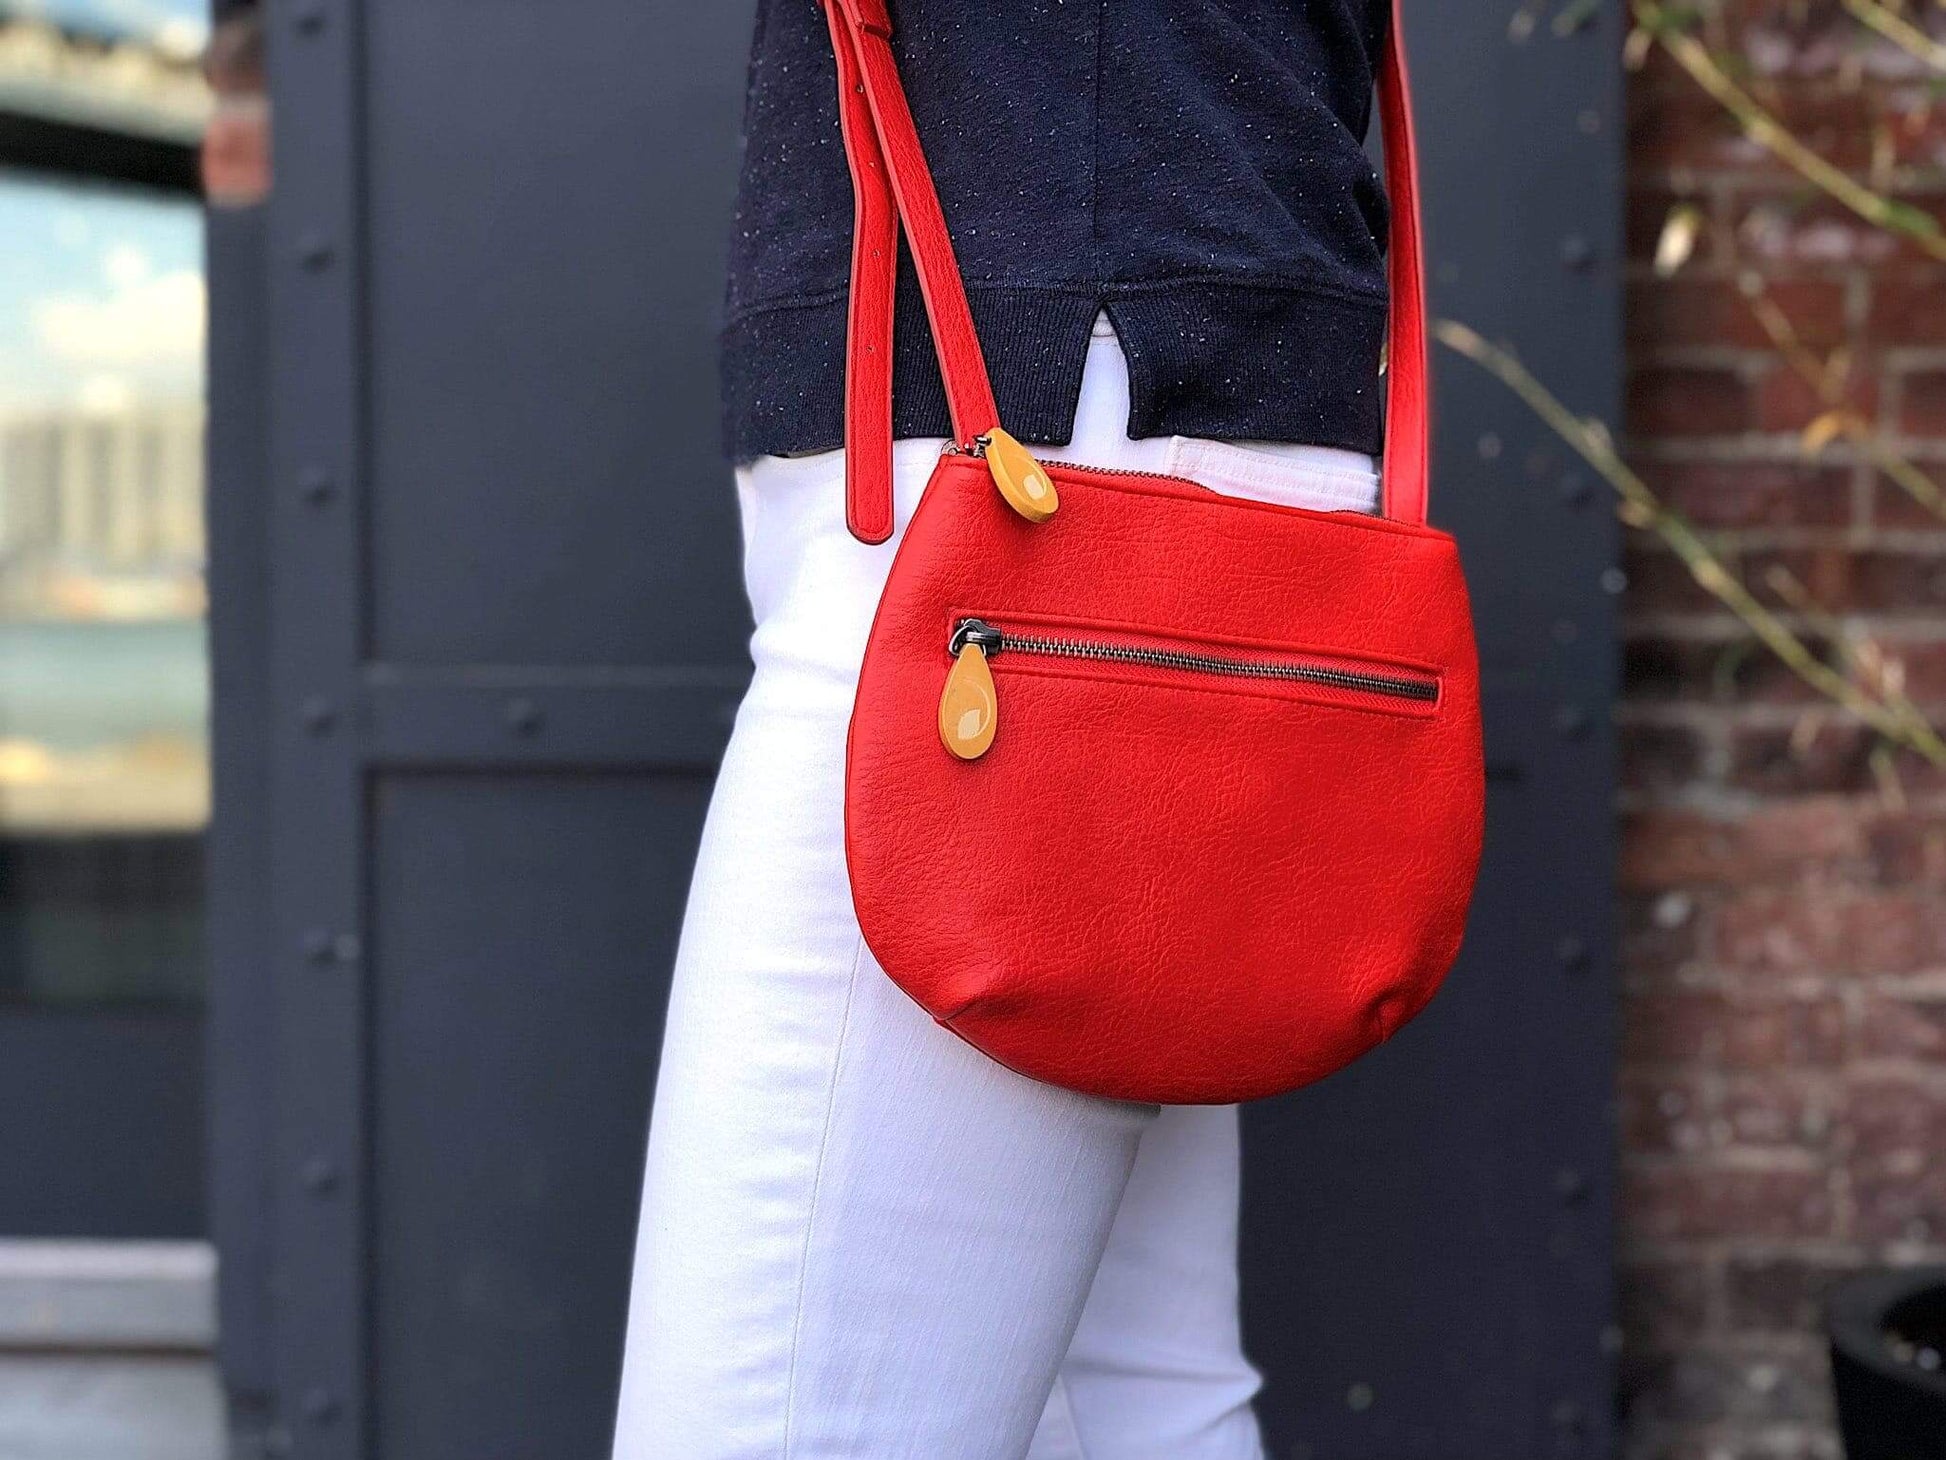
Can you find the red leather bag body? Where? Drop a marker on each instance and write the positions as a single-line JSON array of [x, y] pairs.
[[1166, 796]]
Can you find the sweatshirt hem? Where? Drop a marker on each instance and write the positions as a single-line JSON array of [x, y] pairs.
[[1208, 357]]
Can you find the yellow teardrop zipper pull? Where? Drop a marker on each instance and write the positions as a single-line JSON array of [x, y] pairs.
[[969, 709], [1023, 481]]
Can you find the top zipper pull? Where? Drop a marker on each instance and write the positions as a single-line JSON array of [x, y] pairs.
[[1023, 481]]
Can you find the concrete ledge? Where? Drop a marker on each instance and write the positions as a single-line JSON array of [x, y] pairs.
[[79, 1407], [73, 1296]]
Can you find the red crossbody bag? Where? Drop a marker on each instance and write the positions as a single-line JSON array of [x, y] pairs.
[[1150, 792]]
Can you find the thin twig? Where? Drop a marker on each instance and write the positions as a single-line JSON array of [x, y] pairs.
[[1844, 421], [1643, 508], [1900, 31], [1765, 130], [1862, 656]]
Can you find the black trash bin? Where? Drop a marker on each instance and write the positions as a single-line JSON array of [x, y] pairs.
[[1888, 1364]]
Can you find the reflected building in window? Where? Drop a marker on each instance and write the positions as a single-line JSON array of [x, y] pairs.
[[101, 513]]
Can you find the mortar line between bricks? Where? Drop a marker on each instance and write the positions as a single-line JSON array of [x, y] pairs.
[[1692, 715], [1773, 448], [1727, 631], [1772, 183]]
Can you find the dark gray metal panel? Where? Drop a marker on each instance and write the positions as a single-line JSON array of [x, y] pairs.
[[523, 930], [547, 211], [318, 832], [1427, 1236], [239, 1072], [667, 718], [505, 623]]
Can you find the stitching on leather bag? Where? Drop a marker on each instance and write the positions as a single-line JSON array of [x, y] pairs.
[[1318, 696]]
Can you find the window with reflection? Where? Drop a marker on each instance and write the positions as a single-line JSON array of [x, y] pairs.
[[104, 683]]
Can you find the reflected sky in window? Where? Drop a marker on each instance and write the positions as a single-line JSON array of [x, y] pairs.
[[175, 22], [101, 296]]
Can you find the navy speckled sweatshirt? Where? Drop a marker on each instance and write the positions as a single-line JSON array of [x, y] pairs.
[[1193, 167]]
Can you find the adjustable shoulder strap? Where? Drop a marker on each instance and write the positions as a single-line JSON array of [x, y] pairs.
[[1408, 400], [891, 182], [885, 157]]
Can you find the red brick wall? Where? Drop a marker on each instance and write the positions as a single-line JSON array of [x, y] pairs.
[[1783, 1091]]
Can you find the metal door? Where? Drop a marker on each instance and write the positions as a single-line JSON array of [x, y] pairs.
[[505, 641]]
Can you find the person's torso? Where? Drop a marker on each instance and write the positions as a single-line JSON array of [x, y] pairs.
[[1193, 167]]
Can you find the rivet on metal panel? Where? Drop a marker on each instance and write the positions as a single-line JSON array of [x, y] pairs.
[[1609, 1341], [319, 1175], [1589, 121], [322, 947], [1360, 1397], [1574, 490], [1577, 252], [1613, 581], [1571, 721], [314, 484], [523, 716], [314, 251], [321, 1406], [310, 18], [1490, 446], [1572, 953], [1568, 1415], [319, 715], [1570, 1185]]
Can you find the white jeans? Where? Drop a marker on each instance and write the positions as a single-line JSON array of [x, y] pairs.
[[860, 1237]]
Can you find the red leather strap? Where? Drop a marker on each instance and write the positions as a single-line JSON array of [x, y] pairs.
[[888, 166], [1408, 401], [874, 278]]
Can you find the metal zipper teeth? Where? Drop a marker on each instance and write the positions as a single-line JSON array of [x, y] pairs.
[[976, 449], [1377, 684]]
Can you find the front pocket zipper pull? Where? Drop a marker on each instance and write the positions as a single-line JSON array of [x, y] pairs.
[[969, 709], [1023, 481]]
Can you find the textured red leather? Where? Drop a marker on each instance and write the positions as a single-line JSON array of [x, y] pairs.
[[1157, 884]]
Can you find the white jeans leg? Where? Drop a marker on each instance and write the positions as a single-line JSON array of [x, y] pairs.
[[1156, 1370], [859, 1237]]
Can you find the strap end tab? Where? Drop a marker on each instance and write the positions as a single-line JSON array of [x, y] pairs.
[[867, 15]]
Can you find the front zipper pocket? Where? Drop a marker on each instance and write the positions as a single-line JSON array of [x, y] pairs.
[[969, 704]]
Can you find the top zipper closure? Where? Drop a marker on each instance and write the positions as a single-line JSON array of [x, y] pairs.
[[977, 449]]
